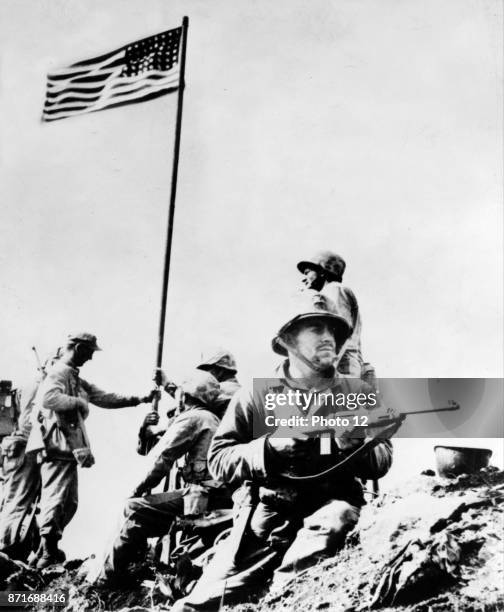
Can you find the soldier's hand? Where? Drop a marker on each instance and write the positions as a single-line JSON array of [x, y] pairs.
[[159, 377], [148, 399], [138, 491], [291, 448], [152, 418], [83, 408], [348, 443]]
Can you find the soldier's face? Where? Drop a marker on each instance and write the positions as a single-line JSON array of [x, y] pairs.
[[312, 279], [315, 341], [82, 354]]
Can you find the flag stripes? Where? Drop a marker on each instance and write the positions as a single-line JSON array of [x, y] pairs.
[[140, 71]]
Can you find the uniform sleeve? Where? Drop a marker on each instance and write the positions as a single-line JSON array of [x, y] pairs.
[[26, 400], [53, 396], [234, 454], [175, 442], [108, 400], [146, 442]]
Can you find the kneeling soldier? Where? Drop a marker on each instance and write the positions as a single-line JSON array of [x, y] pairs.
[[188, 436], [222, 365], [291, 508]]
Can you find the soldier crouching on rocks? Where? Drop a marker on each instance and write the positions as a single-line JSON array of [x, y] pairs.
[[58, 436], [284, 522], [188, 436]]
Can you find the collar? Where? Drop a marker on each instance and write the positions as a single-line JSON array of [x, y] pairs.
[[284, 377], [59, 366]]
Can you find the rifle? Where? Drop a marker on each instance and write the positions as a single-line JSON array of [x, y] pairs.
[[388, 426], [40, 367]]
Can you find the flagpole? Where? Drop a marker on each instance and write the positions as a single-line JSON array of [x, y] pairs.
[[171, 210]]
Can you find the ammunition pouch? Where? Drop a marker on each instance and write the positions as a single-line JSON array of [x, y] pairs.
[[65, 440], [12, 453]]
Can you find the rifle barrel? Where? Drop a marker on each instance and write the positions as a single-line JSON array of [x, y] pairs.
[[451, 406], [402, 415]]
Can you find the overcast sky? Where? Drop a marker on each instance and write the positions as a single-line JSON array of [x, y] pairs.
[[370, 128]]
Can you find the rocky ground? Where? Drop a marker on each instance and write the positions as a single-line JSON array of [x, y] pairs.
[[433, 545]]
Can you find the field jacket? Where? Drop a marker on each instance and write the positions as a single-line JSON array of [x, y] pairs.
[[188, 436], [240, 451], [59, 397]]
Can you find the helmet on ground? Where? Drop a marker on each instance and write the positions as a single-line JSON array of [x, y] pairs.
[[330, 264], [220, 358], [308, 306], [201, 386]]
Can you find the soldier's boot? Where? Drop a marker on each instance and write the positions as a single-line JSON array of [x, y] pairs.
[[49, 553]]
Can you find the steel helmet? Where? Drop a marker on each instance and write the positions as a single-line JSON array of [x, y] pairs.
[[201, 386], [220, 358], [312, 305], [330, 264]]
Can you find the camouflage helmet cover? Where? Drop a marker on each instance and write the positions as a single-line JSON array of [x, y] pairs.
[[220, 358], [201, 386], [313, 305], [331, 264]]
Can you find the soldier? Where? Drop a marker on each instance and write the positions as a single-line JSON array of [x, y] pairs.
[[9, 408], [188, 436], [222, 365], [324, 273], [22, 478], [291, 508], [60, 439]]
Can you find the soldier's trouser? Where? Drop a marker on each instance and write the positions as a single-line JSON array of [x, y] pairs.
[[144, 517], [21, 488], [58, 497], [274, 544]]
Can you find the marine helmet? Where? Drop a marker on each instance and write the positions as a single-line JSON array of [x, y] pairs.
[[220, 358], [201, 386], [313, 305], [330, 264]]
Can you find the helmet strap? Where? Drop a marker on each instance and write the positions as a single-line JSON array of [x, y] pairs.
[[313, 366]]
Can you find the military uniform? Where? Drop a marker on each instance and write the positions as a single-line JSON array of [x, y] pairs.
[[222, 364], [9, 414], [331, 267], [351, 361], [188, 436], [281, 526], [60, 398], [21, 480], [227, 389]]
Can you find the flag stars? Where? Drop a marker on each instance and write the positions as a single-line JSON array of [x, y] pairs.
[[159, 52]]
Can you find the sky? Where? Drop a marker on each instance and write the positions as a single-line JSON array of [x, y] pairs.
[[370, 128]]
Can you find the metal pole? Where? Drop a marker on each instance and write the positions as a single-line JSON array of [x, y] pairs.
[[173, 193]]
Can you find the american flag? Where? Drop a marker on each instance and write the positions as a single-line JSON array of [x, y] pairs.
[[140, 71]]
